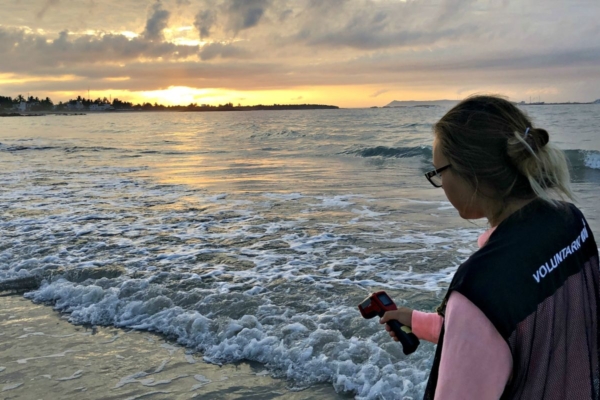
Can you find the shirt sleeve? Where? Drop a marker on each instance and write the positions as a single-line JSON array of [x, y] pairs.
[[427, 326], [476, 361]]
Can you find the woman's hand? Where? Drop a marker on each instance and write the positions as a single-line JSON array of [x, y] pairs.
[[402, 315]]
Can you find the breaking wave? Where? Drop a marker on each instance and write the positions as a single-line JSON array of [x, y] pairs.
[[392, 152], [580, 159]]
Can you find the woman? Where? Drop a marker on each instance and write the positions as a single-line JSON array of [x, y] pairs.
[[520, 317]]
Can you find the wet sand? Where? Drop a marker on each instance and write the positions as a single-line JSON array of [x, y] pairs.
[[42, 356]]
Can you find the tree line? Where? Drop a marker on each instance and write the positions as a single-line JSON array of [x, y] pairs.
[[36, 104]]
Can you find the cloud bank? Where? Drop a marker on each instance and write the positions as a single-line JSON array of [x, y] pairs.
[[385, 45]]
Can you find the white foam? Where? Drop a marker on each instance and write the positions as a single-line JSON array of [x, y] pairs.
[[365, 212], [111, 340], [340, 201], [203, 382], [592, 160], [148, 394], [170, 348], [31, 334], [190, 359], [304, 349], [150, 382], [285, 196], [76, 375], [133, 378], [63, 354], [202, 378], [207, 278], [11, 386], [161, 366]]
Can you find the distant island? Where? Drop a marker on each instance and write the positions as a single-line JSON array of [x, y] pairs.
[[417, 103], [450, 103], [543, 103], [14, 106]]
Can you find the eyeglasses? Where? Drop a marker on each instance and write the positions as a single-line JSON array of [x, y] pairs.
[[435, 176]]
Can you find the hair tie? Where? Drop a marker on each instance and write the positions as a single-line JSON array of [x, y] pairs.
[[526, 133]]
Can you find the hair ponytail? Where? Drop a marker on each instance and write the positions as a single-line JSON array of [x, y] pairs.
[[541, 162], [493, 145]]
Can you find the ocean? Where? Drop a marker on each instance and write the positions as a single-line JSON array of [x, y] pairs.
[[252, 236]]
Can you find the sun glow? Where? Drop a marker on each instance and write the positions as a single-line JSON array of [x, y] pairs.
[[178, 95], [343, 96]]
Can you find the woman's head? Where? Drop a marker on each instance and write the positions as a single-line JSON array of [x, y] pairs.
[[496, 156]]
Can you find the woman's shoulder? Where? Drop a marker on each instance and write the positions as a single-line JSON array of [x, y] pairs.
[[537, 221], [500, 278]]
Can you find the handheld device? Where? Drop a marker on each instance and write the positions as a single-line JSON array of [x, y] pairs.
[[376, 305]]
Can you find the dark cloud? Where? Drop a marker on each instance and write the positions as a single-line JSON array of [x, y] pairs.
[[254, 75], [183, 3], [204, 21], [47, 5], [157, 22], [451, 9], [285, 14], [216, 49], [330, 7], [362, 38], [244, 14], [368, 26], [379, 92], [146, 76], [22, 51]]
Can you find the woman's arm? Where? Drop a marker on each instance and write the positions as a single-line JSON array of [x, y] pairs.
[[426, 326], [476, 361]]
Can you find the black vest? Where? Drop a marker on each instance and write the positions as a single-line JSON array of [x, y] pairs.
[[537, 281]]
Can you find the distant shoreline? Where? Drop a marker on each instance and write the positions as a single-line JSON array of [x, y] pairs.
[[40, 114], [518, 104], [275, 107], [556, 104], [451, 103]]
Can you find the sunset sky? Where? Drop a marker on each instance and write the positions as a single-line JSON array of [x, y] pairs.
[[351, 53]]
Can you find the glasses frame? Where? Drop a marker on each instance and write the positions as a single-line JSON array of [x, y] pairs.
[[435, 172]]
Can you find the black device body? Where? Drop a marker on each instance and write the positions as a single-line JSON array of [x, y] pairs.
[[378, 304]]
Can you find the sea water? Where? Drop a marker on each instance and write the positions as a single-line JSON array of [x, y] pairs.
[[253, 235]]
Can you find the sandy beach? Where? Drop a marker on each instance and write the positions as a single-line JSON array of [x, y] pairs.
[[42, 356]]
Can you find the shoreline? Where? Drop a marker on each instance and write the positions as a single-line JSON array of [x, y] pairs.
[[113, 112], [41, 114], [43, 356]]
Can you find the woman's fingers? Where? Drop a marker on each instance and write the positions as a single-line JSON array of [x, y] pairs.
[[402, 315], [389, 315]]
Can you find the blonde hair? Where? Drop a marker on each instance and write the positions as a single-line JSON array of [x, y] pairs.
[[494, 146], [544, 165]]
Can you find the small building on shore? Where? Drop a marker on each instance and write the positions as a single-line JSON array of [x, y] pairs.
[[101, 107], [25, 106], [75, 106]]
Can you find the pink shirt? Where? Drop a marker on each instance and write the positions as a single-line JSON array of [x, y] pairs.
[[476, 362]]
